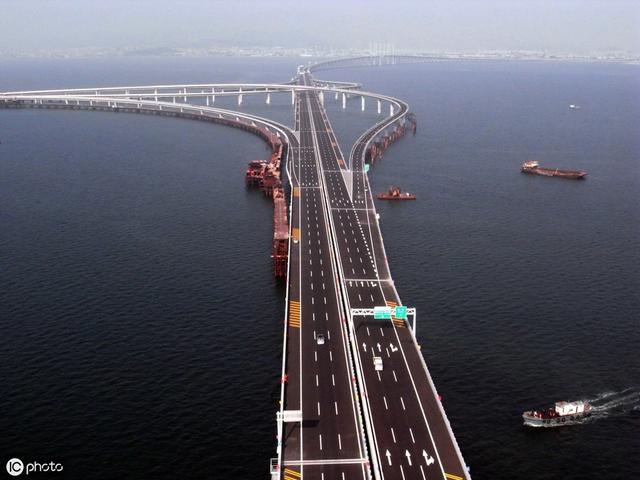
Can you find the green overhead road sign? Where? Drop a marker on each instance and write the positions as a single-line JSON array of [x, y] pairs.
[[366, 167], [382, 313], [400, 312]]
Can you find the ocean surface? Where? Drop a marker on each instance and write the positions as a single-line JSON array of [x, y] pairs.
[[141, 327]]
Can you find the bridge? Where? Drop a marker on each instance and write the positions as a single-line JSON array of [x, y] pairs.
[[356, 396]]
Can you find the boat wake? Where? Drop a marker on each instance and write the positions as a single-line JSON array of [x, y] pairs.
[[612, 404]]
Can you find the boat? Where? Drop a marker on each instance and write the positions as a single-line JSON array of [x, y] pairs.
[[532, 166], [574, 106], [557, 416], [395, 193]]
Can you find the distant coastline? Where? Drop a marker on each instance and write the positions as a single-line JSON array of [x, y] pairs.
[[213, 51]]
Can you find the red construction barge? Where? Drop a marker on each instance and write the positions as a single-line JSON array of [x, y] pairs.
[[395, 193], [400, 129], [266, 174]]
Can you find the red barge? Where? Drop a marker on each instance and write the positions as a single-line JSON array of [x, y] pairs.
[[395, 193]]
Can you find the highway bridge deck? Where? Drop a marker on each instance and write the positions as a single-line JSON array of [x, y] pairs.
[[408, 433]]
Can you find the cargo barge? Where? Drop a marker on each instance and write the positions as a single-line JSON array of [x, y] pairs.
[[532, 166]]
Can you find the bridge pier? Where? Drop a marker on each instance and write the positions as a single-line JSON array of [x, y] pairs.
[[293, 97], [322, 97], [207, 98], [362, 103], [344, 100], [155, 92], [336, 97], [268, 98], [391, 110], [379, 107], [185, 94]]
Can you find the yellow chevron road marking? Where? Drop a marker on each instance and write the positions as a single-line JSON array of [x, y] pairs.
[[294, 314], [291, 474], [399, 323], [451, 476]]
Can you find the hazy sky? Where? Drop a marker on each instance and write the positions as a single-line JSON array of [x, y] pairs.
[[560, 25]]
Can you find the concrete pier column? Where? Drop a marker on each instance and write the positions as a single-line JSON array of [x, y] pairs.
[[391, 111], [293, 96], [362, 103], [344, 100], [213, 97], [322, 97], [174, 99], [155, 92], [239, 99], [185, 94], [379, 107], [268, 98], [207, 101], [336, 96]]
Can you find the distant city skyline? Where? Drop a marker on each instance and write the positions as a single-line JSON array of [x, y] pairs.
[[579, 26]]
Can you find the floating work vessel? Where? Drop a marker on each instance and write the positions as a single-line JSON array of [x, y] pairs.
[[532, 166], [395, 193], [557, 416]]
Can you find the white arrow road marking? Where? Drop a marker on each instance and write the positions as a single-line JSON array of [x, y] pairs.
[[379, 349], [388, 454], [408, 456], [428, 459], [364, 346]]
